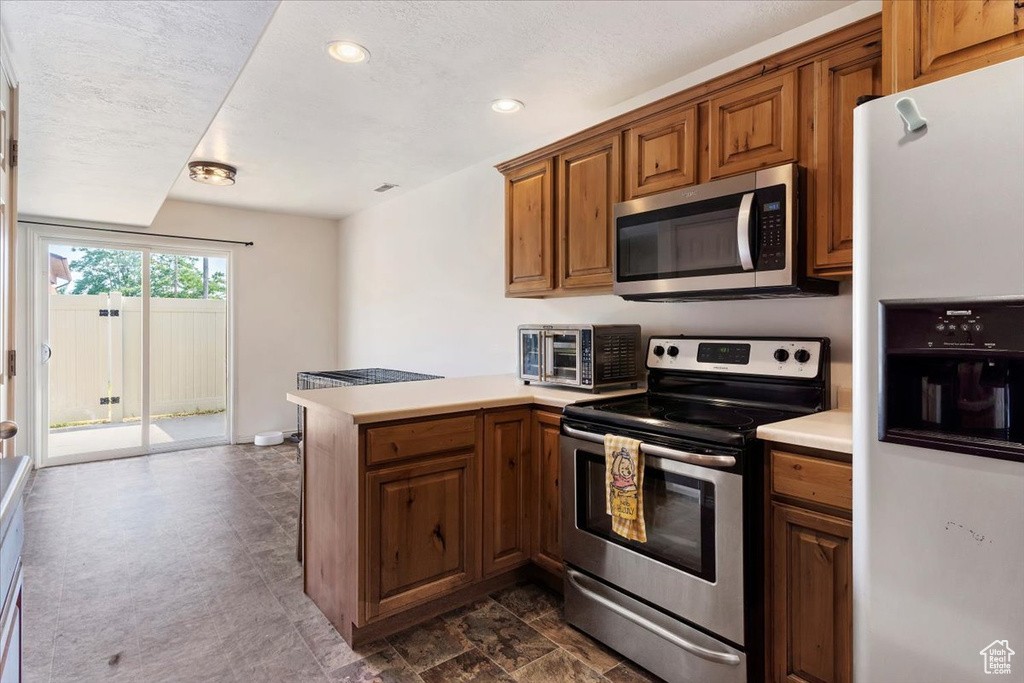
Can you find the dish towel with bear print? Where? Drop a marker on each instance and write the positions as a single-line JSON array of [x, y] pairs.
[[624, 486]]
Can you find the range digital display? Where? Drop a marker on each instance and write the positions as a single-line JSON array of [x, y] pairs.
[[732, 354]]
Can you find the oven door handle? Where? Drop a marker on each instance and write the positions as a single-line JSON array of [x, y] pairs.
[[577, 580], [743, 231], [660, 451]]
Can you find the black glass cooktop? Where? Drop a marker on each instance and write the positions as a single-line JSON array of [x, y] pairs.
[[676, 417]]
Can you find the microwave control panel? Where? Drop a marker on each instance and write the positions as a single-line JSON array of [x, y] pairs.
[[996, 325], [771, 218]]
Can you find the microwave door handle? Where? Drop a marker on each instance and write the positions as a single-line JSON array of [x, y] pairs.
[[545, 337], [743, 231]]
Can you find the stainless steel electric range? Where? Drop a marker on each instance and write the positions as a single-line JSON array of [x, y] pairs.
[[689, 603]]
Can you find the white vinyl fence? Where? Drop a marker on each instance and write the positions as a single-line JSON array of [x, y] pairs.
[[96, 362]]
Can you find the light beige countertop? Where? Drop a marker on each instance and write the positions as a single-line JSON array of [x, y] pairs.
[[831, 430], [403, 400]]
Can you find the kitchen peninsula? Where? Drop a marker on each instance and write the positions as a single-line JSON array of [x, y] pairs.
[[421, 496]]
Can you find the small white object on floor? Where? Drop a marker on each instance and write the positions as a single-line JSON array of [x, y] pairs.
[[269, 438]]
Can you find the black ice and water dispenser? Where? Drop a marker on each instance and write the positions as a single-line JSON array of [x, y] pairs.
[[953, 376]]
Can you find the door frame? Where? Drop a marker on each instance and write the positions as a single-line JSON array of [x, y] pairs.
[[37, 265]]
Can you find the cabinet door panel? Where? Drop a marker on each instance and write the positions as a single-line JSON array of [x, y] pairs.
[[421, 536], [589, 185], [933, 39], [842, 78], [506, 450], [662, 154], [547, 505], [529, 230], [812, 596], [754, 126]]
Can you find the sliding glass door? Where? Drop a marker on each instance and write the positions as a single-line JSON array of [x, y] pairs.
[[134, 352]]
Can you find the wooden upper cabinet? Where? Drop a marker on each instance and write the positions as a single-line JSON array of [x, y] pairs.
[[812, 597], [661, 154], [546, 505], [505, 490], [529, 230], [589, 185], [842, 78], [422, 532], [754, 126], [928, 40]]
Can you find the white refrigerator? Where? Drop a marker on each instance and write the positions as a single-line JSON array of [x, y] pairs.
[[938, 213]]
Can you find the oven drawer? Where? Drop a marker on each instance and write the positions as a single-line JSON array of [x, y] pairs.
[[415, 439], [815, 480], [663, 645]]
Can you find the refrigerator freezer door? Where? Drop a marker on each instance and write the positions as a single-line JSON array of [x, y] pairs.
[[939, 546]]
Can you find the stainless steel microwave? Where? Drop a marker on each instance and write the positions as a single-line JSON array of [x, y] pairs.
[[734, 238], [591, 357]]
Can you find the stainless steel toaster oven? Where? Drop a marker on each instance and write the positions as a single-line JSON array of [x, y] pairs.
[[591, 357]]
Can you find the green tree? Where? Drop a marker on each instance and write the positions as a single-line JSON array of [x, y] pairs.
[[171, 276]]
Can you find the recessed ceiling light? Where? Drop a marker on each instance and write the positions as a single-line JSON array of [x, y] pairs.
[[212, 173], [350, 53], [506, 106]]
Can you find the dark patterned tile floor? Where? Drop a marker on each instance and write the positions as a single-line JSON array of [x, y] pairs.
[[181, 567]]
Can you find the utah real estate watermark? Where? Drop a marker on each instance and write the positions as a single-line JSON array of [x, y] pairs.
[[997, 656]]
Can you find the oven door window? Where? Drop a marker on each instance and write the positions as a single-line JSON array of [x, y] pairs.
[[562, 357], [681, 241], [679, 513]]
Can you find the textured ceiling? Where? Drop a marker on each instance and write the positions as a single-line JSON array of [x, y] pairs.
[[116, 94], [313, 136]]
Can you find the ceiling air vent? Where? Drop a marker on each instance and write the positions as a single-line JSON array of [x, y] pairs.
[[385, 187]]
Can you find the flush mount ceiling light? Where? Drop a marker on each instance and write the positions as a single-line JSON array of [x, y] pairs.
[[347, 52], [212, 173], [507, 106]]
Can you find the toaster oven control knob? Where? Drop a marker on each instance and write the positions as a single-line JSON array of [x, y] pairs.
[[659, 350], [673, 351], [781, 355], [802, 356]]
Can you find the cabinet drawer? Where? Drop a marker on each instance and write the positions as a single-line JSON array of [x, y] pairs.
[[812, 479], [414, 439]]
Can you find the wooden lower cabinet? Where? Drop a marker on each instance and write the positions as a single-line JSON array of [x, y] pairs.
[[809, 568], [546, 508], [422, 531], [404, 520], [811, 596], [506, 536]]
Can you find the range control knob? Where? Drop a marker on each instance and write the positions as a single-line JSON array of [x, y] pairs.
[[781, 355], [802, 356], [659, 350], [673, 351]]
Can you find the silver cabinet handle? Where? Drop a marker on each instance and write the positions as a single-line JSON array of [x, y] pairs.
[[47, 353], [743, 231], [660, 451], [575, 579]]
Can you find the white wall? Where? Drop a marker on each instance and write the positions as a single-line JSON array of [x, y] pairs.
[[422, 276], [285, 301]]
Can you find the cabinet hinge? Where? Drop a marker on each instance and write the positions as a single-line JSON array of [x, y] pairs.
[[112, 400], [14, 153], [12, 363]]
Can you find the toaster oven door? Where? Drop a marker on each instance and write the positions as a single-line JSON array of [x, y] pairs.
[[562, 357]]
